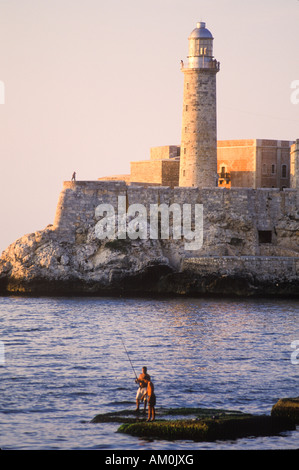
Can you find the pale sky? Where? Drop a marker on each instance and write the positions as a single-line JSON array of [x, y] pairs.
[[91, 85]]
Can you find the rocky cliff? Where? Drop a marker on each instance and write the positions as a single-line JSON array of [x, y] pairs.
[[41, 264], [68, 258]]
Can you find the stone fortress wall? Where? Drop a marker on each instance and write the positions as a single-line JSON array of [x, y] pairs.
[[246, 232], [246, 163], [236, 222]]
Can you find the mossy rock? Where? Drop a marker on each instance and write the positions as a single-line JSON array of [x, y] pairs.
[[209, 429], [197, 424], [288, 408]]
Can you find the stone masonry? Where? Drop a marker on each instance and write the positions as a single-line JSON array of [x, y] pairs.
[[198, 161], [237, 222], [295, 165]]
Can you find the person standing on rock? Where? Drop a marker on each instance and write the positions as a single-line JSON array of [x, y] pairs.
[[151, 401], [141, 394]]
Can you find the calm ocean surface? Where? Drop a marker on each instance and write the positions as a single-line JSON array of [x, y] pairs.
[[64, 363]]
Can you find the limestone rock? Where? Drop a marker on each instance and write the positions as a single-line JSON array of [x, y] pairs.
[[42, 263]]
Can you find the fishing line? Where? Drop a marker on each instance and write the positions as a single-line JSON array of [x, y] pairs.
[[128, 355]]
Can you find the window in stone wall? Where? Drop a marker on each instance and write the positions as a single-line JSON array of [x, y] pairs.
[[273, 169], [265, 236], [283, 171]]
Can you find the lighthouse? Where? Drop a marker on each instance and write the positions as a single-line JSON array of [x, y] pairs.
[[198, 161]]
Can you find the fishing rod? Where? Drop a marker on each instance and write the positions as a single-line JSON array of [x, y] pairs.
[[128, 356]]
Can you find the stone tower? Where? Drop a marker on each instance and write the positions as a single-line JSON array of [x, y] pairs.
[[294, 177], [198, 162]]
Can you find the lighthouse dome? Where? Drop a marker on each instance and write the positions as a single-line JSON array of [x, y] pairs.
[[201, 32], [200, 43]]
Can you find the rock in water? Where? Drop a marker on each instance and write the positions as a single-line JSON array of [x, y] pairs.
[[288, 408]]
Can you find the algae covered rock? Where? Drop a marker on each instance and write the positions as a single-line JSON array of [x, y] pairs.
[[287, 407], [209, 429], [197, 424]]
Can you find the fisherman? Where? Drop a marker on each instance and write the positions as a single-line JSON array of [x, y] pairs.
[[141, 394], [151, 401]]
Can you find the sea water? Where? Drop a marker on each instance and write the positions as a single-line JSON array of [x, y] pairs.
[[64, 361]]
